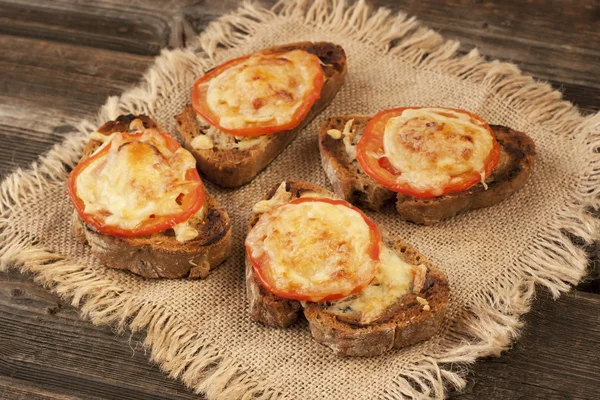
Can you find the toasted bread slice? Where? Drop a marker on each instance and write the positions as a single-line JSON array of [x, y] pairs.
[[355, 186], [159, 255], [232, 161], [414, 317]]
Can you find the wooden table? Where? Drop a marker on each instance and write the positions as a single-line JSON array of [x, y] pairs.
[[60, 59]]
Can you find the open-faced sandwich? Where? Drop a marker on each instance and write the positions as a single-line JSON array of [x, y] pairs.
[[435, 162], [141, 206], [246, 111], [362, 294]]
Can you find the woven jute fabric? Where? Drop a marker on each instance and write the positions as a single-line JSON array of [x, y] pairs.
[[201, 332]]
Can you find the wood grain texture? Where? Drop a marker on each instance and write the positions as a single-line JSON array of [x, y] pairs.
[[556, 357], [72, 79], [17, 389], [43, 340], [40, 133], [555, 41], [126, 26], [60, 59]]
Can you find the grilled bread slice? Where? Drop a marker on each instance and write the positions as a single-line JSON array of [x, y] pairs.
[[231, 161], [411, 318], [159, 255], [352, 184]]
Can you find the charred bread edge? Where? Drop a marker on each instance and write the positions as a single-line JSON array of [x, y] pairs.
[[266, 307], [347, 179], [159, 255], [352, 184], [345, 339], [235, 167], [412, 323]]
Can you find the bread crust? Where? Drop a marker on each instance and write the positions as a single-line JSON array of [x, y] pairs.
[[407, 323], [347, 178], [159, 255], [411, 323], [265, 307], [355, 186], [234, 167]]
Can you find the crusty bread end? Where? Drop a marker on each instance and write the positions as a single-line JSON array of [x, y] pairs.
[[352, 184], [417, 318], [159, 255], [233, 167], [409, 322]]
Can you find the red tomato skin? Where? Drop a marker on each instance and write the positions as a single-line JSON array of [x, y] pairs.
[[372, 140], [260, 266], [160, 224], [201, 107]]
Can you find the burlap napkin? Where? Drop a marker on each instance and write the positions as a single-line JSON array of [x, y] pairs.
[[201, 332]]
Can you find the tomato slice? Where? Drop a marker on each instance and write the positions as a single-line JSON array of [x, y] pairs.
[[244, 89], [370, 155], [190, 202], [344, 280]]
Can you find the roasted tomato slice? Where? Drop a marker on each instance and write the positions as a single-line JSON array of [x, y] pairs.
[[314, 249], [427, 152], [260, 93], [137, 184]]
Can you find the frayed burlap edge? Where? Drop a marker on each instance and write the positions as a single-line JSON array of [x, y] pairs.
[[552, 260]]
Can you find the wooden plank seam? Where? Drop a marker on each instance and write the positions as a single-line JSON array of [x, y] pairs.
[[553, 260]]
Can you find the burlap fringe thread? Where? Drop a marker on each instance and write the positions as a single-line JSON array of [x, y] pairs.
[[553, 261]]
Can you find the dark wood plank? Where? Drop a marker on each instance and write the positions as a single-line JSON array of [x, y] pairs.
[[18, 389], [556, 41], [556, 357], [199, 15], [43, 340], [587, 98], [135, 27], [28, 130], [59, 60], [71, 78]]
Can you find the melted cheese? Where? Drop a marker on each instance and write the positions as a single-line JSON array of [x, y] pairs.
[[422, 301], [349, 139], [185, 231], [99, 137], [334, 133], [202, 142], [315, 195], [225, 140], [432, 146], [393, 280], [313, 244], [135, 179], [263, 88], [280, 198]]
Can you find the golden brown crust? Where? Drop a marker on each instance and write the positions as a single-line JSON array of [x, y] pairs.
[[409, 322], [345, 175], [234, 167], [121, 124], [265, 307], [353, 184], [517, 156], [159, 255]]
